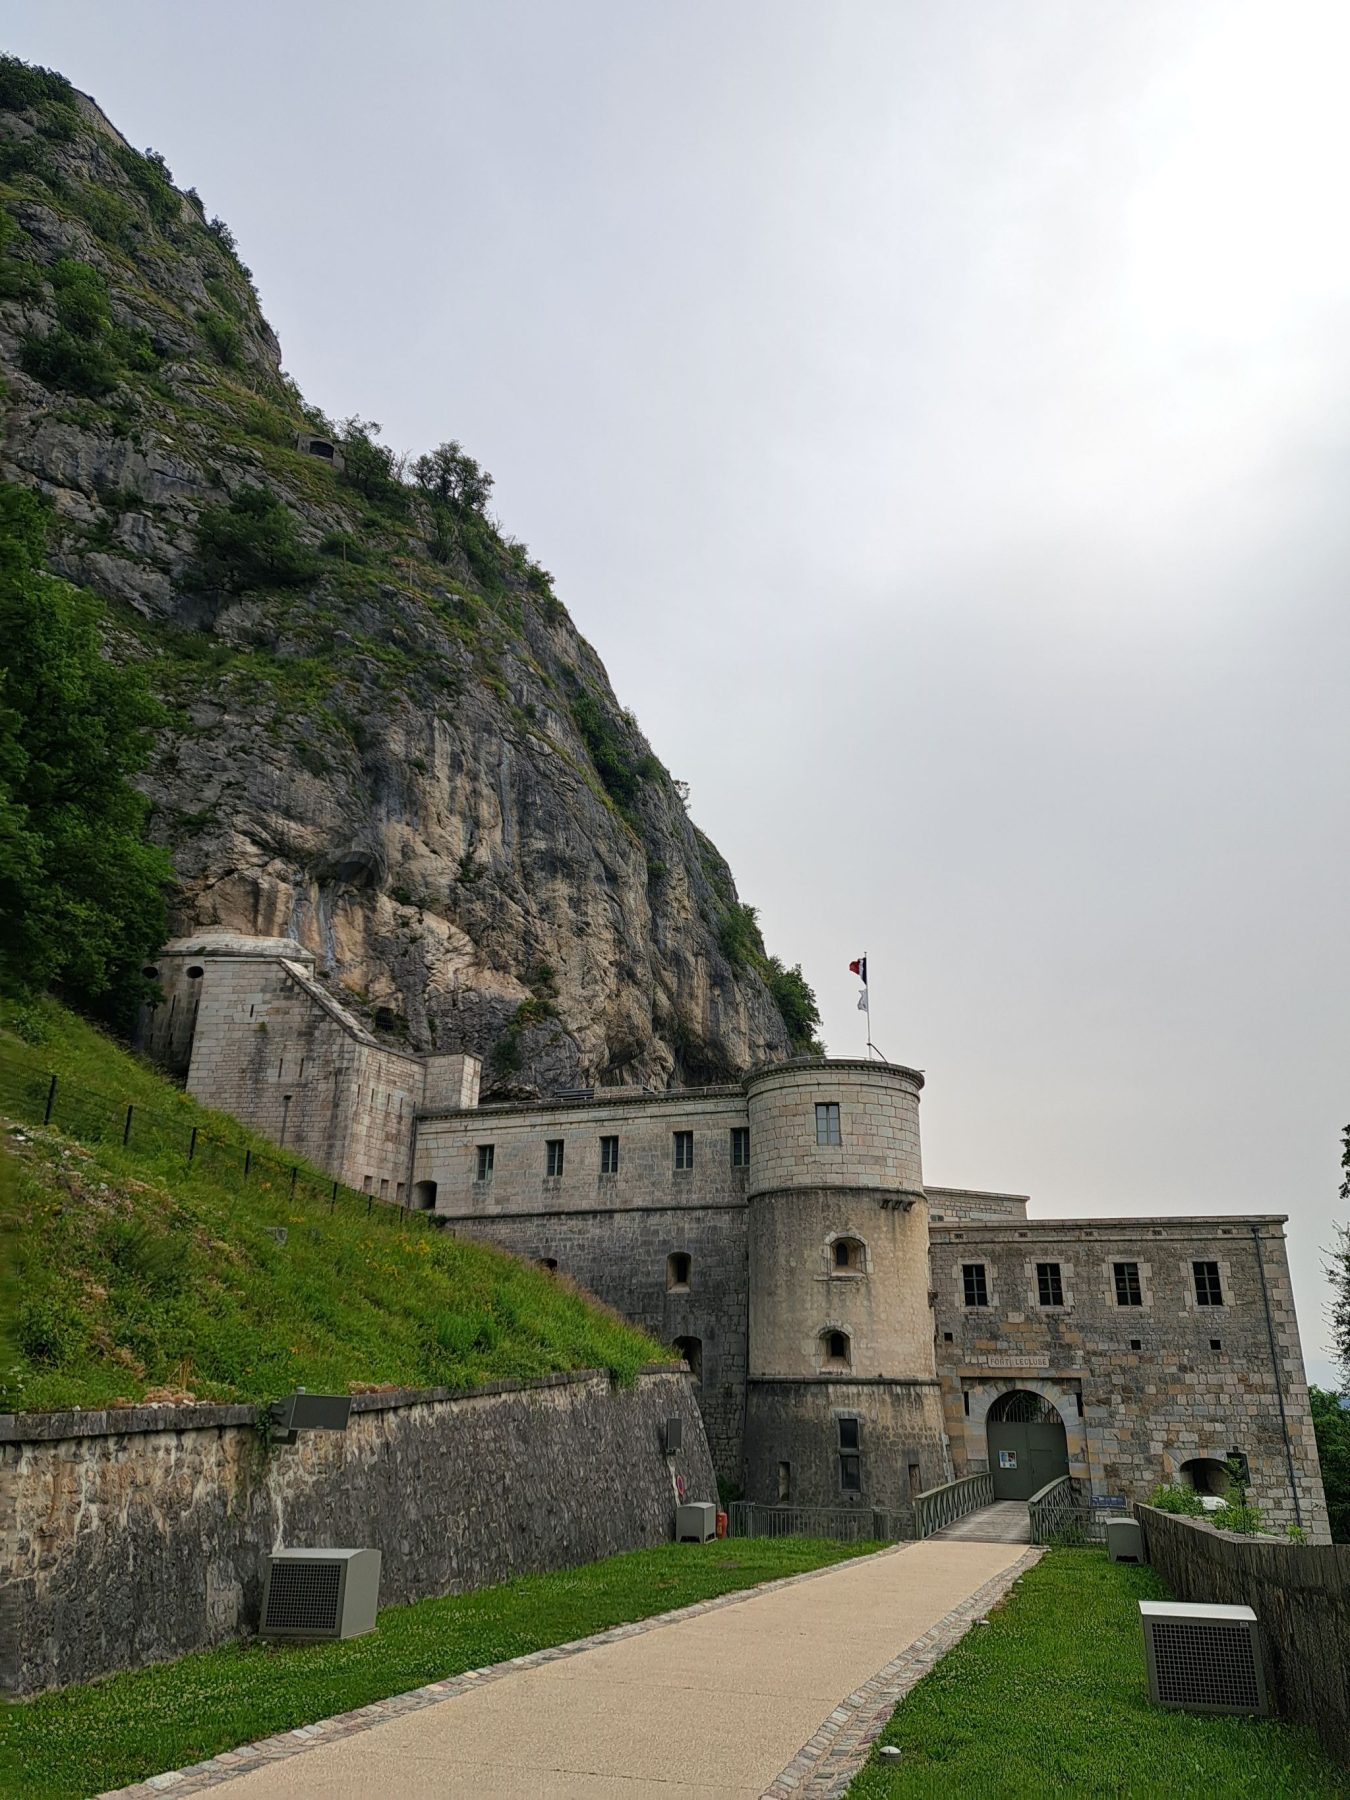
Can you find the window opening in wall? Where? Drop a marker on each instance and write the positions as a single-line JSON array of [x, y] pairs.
[[848, 1256], [1136, 1343], [1078, 1401], [554, 1162], [1216, 1343], [850, 1457], [915, 1481], [384, 1190], [424, 1196], [398, 1193], [965, 1404], [196, 972], [550, 1263], [302, 1068], [677, 1272], [285, 1116], [486, 1154], [691, 1349], [836, 1350], [1049, 1284], [1128, 1290], [1206, 1475], [1208, 1287], [740, 1146], [609, 1156], [974, 1284], [784, 1482], [827, 1122], [281, 1064], [367, 1183], [684, 1149], [947, 1337]]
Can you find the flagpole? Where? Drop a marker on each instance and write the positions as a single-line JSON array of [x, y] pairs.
[[867, 996]]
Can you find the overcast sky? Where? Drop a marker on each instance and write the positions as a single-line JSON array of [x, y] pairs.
[[937, 418]]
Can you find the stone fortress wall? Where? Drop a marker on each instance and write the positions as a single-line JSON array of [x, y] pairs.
[[715, 1218]]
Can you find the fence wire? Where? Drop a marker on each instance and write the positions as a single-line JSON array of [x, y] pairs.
[[104, 1119]]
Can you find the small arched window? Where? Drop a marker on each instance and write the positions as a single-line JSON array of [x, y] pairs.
[[424, 1196], [150, 972], [549, 1263], [836, 1350], [196, 972], [848, 1256], [677, 1272]]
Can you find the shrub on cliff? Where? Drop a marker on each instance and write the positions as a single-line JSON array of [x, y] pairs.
[[251, 543], [81, 891]]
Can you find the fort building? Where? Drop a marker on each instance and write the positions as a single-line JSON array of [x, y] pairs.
[[857, 1335]]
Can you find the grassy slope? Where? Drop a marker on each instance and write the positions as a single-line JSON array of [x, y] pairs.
[[1052, 1698], [133, 1270], [114, 1732]]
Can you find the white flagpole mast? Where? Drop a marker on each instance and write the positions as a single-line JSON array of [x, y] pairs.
[[867, 1002]]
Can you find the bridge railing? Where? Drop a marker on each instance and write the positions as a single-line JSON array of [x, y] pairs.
[[1061, 1514], [845, 1524], [943, 1505]]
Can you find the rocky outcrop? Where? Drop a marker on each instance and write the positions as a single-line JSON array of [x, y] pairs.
[[406, 756]]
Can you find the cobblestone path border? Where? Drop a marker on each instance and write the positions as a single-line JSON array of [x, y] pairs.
[[827, 1763], [230, 1763]]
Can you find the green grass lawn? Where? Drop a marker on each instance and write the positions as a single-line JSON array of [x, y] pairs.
[[1051, 1697], [83, 1740], [132, 1269]]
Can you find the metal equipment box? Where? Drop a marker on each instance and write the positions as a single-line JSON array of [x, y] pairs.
[[1125, 1540], [320, 1593], [696, 1523], [1203, 1658]]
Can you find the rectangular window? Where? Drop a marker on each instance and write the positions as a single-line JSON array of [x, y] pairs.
[[1049, 1284], [684, 1149], [827, 1122], [850, 1434], [485, 1155], [1128, 1290], [740, 1146], [974, 1285], [609, 1156], [784, 1482], [554, 1147], [1208, 1287], [367, 1182], [384, 1190], [850, 1474]]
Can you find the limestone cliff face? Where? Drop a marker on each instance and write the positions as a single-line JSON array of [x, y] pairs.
[[396, 747]]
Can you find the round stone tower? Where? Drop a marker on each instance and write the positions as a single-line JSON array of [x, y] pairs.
[[843, 1406]]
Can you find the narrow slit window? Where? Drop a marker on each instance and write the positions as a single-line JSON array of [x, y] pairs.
[[609, 1156], [740, 1146], [684, 1149], [677, 1272], [486, 1153], [554, 1149]]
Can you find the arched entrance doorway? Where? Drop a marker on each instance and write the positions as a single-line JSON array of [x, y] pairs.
[[1027, 1446]]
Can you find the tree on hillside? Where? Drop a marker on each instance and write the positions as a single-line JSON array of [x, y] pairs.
[[1331, 1423], [449, 474], [81, 891]]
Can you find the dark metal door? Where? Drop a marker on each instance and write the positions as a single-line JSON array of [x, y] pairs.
[[1024, 1457]]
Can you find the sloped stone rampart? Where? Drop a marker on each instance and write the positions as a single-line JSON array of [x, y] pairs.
[[1300, 1594], [136, 1536]]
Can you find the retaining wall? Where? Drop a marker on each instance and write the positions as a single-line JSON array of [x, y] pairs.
[[1300, 1594], [134, 1536]]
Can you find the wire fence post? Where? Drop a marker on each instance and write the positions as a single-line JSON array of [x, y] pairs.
[[126, 1128], [248, 1162], [369, 1198], [294, 1172], [51, 1101], [192, 1144], [332, 1198]]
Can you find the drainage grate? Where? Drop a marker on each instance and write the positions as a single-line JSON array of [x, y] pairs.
[[304, 1596]]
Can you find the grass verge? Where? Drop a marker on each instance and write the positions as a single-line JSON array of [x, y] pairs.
[[138, 1272], [110, 1733], [1051, 1697]]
